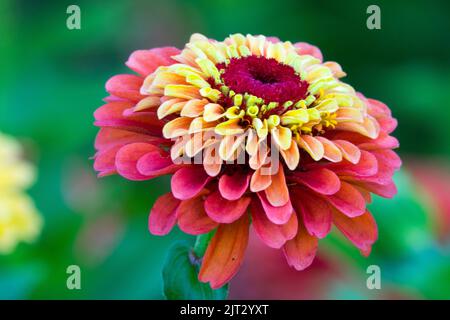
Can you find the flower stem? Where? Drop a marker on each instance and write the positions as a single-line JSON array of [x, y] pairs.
[[201, 243]]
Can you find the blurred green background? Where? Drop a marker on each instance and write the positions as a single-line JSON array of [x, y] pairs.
[[52, 79]]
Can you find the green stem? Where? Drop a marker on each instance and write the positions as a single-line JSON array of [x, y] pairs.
[[201, 243]]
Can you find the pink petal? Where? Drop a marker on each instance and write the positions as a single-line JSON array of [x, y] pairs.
[[273, 235], [192, 217], [387, 190], [301, 251], [362, 231], [125, 86], [383, 141], [315, 211], [188, 181], [155, 164], [225, 211], [127, 158], [306, 48], [348, 200], [321, 180], [389, 158], [145, 62], [232, 187], [163, 214], [367, 166], [278, 215]]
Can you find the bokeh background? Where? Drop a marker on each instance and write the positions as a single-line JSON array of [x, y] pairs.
[[52, 79]]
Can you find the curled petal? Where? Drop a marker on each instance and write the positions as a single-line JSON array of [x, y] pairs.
[[188, 182], [192, 217], [225, 253], [349, 151], [125, 86], [315, 211], [291, 156], [282, 137], [321, 180], [301, 251], [232, 187], [362, 231], [177, 127], [366, 166], [145, 62], [348, 200], [163, 214], [260, 181], [311, 145], [278, 215], [212, 162], [331, 151], [277, 193], [155, 164], [193, 108], [225, 211], [213, 112], [306, 48], [273, 235], [127, 158]]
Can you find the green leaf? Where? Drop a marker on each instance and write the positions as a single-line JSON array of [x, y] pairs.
[[180, 276]]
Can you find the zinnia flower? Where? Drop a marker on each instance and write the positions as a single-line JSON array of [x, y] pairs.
[[216, 115], [19, 219]]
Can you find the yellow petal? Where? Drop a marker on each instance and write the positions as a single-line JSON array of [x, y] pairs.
[[182, 91], [229, 127], [282, 136]]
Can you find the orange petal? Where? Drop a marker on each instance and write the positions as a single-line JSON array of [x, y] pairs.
[[291, 156], [211, 161], [148, 103], [177, 127], [193, 108], [331, 151], [213, 112], [259, 181], [349, 151], [225, 253], [200, 125], [301, 250], [277, 193], [362, 231]]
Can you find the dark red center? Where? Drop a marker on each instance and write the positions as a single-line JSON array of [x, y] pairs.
[[265, 78]]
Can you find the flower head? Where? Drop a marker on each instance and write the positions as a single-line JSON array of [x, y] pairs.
[[249, 127], [19, 219]]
